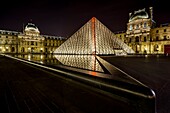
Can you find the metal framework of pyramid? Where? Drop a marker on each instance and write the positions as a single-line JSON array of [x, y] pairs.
[[93, 38]]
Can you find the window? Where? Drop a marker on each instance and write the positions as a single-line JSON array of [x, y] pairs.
[[130, 27], [164, 30], [137, 26], [156, 47], [144, 39], [157, 31], [150, 39], [32, 43], [144, 25], [157, 38], [137, 39], [165, 38]]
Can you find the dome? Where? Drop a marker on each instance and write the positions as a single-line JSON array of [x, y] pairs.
[[31, 27], [141, 14]]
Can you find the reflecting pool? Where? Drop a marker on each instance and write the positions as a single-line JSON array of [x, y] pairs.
[[87, 62]]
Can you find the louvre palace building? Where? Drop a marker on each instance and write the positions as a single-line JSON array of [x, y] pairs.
[[144, 36], [28, 41]]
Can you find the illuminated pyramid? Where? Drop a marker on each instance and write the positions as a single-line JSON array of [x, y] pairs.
[[93, 38]]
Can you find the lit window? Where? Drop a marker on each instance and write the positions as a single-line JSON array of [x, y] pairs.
[[130, 27], [144, 25], [137, 26]]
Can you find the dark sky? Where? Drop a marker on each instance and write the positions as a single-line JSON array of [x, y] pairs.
[[64, 17]]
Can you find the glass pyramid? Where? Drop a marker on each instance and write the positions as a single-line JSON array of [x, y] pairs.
[[93, 38]]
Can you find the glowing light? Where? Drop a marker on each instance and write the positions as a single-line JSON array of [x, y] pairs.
[[88, 62], [146, 56], [93, 38], [41, 62], [93, 73], [41, 56], [29, 57]]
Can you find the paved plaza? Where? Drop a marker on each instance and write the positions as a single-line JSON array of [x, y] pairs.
[[153, 71], [28, 89]]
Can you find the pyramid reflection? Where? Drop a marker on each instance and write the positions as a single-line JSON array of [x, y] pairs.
[[88, 62]]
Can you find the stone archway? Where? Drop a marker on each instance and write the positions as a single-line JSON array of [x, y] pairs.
[[156, 48]]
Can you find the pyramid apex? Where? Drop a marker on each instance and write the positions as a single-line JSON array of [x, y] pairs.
[[93, 19]]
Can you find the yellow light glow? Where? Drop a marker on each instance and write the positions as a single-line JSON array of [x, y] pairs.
[[29, 57], [41, 56]]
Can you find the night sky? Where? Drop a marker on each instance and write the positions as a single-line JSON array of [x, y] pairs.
[[63, 18]]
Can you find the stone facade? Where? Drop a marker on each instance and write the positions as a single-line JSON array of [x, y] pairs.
[[143, 36], [28, 41]]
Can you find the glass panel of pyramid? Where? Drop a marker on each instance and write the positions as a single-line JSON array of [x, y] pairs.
[[93, 38]]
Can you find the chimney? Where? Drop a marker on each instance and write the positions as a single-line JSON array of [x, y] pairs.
[[130, 15], [151, 12]]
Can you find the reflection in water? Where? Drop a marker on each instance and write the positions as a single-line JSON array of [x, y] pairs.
[[40, 58], [88, 62]]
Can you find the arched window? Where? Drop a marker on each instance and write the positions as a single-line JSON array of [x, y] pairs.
[[137, 39], [156, 47], [12, 49]]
